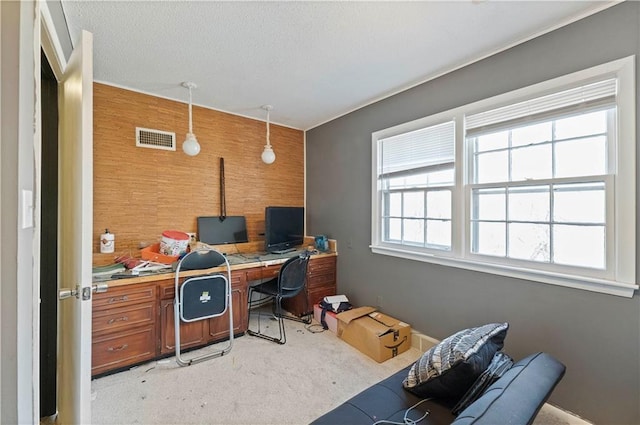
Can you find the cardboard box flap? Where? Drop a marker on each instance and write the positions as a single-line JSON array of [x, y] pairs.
[[354, 313], [384, 319]]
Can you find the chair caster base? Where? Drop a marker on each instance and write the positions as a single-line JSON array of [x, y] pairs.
[[306, 319], [267, 337]]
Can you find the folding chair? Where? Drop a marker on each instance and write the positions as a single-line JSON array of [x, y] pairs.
[[202, 297]]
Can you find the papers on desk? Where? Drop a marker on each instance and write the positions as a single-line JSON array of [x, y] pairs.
[[148, 267], [118, 270], [107, 270]]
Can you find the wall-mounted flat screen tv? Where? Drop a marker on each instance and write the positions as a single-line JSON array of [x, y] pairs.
[[217, 231], [284, 228]]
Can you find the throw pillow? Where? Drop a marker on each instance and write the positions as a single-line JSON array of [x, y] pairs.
[[451, 367], [500, 363]]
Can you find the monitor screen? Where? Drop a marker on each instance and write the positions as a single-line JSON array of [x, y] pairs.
[[284, 228], [214, 231]]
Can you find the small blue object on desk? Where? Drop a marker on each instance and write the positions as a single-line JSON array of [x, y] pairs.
[[322, 243]]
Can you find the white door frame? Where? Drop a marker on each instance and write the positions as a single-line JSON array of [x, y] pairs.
[[75, 377]]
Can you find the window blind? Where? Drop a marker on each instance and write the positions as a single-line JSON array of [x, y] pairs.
[[590, 96], [425, 149]]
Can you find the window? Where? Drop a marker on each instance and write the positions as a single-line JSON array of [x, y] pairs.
[[416, 178], [537, 184]]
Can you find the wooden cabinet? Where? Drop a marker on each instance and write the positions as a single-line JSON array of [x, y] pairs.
[[123, 327], [134, 323], [321, 282]]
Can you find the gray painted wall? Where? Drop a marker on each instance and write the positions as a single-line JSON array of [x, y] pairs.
[[597, 336]]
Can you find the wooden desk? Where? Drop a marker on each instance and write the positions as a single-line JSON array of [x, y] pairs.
[[133, 321]]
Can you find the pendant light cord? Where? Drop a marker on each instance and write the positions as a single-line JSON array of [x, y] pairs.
[[268, 139], [190, 121], [223, 200]]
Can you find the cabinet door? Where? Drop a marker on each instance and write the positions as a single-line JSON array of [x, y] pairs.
[[219, 326], [192, 334]]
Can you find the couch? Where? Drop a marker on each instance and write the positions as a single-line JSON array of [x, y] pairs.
[[515, 398]]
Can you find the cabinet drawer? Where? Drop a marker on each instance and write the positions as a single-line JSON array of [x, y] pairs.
[[322, 265], [321, 280], [122, 349], [263, 272], [123, 317], [123, 296]]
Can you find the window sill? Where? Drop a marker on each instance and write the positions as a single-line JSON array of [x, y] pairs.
[[577, 282]]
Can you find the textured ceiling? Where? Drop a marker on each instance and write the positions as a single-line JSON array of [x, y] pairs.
[[313, 61]]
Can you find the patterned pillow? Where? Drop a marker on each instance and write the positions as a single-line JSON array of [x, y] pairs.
[[451, 367]]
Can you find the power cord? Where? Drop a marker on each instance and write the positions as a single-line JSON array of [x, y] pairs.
[[313, 328], [406, 420]]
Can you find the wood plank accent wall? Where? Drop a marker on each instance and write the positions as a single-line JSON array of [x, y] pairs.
[[140, 192]]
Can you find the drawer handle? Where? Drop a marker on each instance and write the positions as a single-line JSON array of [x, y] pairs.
[[122, 347], [119, 319], [115, 300]]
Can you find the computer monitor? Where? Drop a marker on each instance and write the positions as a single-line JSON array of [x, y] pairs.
[[284, 228], [218, 231]]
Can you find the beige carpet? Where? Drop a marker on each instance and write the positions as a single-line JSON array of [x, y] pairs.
[[258, 382]]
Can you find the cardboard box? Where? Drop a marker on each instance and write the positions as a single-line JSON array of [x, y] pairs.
[[379, 336], [330, 318]]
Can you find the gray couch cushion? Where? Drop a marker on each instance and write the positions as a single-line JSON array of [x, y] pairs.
[[518, 395]]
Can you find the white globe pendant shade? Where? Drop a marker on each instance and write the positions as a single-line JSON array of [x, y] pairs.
[[191, 146], [268, 155]]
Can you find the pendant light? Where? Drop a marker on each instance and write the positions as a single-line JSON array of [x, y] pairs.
[[268, 156], [190, 146]]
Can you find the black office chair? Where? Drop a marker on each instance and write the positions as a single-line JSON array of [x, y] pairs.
[[289, 283], [202, 297]]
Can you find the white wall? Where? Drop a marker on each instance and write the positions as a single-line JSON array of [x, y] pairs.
[[17, 91]]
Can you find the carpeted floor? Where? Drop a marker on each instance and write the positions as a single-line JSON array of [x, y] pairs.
[[258, 382]]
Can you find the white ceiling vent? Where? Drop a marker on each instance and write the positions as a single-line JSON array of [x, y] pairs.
[[155, 139]]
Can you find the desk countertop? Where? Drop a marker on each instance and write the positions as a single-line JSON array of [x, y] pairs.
[[237, 261]]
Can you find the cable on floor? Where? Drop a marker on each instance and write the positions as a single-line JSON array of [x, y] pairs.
[[406, 419], [314, 328]]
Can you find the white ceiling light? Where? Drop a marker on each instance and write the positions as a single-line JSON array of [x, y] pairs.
[[268, 156], [190, 146]]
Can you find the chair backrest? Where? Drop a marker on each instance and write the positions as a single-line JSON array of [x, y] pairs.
[[202, 297], [201, 259], [293, 275]]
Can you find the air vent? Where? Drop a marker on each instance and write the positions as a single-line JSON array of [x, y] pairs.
[[155, 139]]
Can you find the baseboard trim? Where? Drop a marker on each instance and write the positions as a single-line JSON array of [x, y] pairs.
[[421, 341]]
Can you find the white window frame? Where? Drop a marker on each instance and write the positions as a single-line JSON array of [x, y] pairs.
[[620, 277]]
